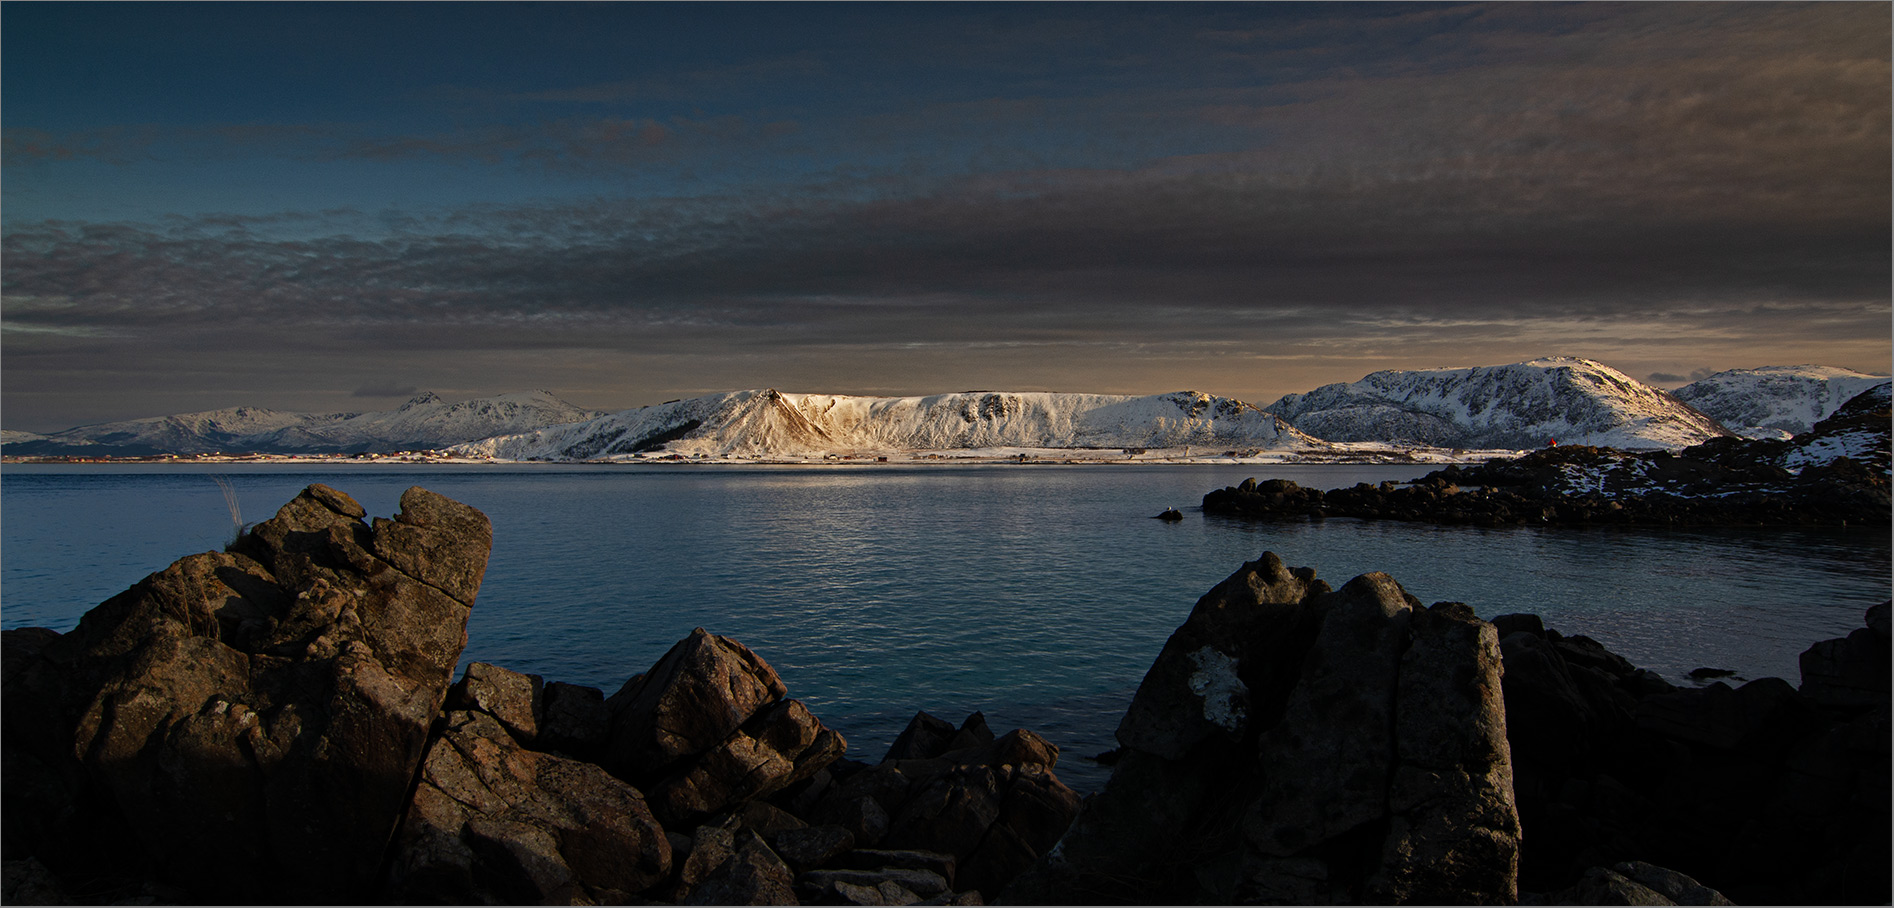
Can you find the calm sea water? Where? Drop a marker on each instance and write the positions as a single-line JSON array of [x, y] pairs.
[[1038, 594]]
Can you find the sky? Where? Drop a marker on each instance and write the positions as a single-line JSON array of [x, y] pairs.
[[331, 207]]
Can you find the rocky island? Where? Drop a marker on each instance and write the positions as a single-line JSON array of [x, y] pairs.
[[279, 723], [1836, 474]]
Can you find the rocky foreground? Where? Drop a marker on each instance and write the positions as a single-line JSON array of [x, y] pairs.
[[279, 723], [1834, 475]]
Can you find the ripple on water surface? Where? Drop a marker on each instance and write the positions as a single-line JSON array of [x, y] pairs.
[[1036, 594]]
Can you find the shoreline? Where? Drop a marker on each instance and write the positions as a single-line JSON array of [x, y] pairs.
[[1549, 767], [1359, 455]]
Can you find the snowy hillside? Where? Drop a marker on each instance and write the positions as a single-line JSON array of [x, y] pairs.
[[1775, 401], [1522, 405], [426, 421], [1858, 430], [747, 423]]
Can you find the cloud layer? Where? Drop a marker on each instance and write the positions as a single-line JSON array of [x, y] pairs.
[[1251, 210]]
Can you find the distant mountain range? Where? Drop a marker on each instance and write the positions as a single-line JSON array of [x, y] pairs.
[[1516, 406], [1521, 405], [426, 422], [771, 422], [1775, 401]]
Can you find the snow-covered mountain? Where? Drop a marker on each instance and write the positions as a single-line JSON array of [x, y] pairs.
[[1858, 429], [426, 421], [1521, 405], [748, 423], [1775, 401]]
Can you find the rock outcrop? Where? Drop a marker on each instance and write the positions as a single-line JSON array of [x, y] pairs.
[[246, 724], [1298, 744], [1836, 474], [492, 822], [707, 728], [275, 724], [1765, 792], [1301, 745]]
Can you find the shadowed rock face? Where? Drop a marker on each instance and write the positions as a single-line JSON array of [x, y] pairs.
[[491, 819], [707, 728], [1767, 793], [265, 725], [247, 723], [1294, 744]]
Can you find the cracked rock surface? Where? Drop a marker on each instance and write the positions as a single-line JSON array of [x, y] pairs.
[[247, 723], [1297, 744]]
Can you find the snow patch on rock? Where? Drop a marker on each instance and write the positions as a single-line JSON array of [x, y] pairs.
[[1224, 694]]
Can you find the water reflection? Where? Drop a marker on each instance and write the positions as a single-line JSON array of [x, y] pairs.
[[1037, 594]]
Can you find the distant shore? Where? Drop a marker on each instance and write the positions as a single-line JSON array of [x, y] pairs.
[[1340, 454]]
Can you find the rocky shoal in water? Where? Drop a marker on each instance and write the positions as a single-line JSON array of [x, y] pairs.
[[278, 723], [1722, 482]]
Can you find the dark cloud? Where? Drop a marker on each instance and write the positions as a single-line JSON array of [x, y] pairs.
[[1324, 196], [24, 145], [385, 389]]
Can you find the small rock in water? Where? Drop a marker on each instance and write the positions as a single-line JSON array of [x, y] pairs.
[[1171, 514], [1701, 675]]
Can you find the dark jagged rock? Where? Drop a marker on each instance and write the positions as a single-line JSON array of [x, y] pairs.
[[1297, 744], [925, 736], [246, 724], [574, 721], [703, 689], [752, 874], [711, 845], [781, 744], [990, 805], [1760, 791], [766, 819], [921, 884], [494, 823], [1851, 671], [812, 846], [509, 697], [706, 729], [266, 724]]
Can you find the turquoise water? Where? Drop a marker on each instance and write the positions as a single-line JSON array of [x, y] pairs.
[[1038, 594]]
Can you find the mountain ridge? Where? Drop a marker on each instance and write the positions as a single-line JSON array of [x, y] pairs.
[[758, 422], [1518, 405], [1513, 406], [1775, 401], [424, 421]]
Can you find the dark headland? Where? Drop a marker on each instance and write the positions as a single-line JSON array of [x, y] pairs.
[[279, 724], [1836, 474]]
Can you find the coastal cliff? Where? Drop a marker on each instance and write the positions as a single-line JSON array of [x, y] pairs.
[[279, 723]]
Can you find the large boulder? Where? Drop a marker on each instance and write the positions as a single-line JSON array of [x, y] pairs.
[[981, 809], [492, 822], [707, 728], [1852, 671], [703, 689], [247, 723], [1294, 743], [1762, 791], [778, 746]]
